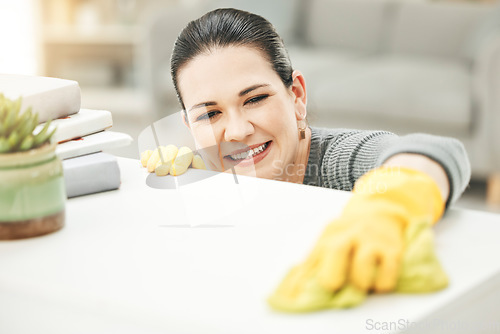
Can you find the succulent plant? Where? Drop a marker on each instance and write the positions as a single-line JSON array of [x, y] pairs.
[[16, 128]]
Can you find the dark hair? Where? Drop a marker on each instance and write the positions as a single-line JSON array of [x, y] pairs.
[[227, 27]]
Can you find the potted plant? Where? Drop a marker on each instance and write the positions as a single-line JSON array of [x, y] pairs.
[[32, 191]]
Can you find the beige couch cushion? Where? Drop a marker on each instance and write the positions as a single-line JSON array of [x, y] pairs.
[[405, 89], [283, 14], [436, 29], [313, 61], [353, 24]]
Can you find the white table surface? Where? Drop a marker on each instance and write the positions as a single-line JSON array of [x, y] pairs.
[[204, 257]]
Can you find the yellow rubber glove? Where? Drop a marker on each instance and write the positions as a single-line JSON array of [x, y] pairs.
[[168, 159], [381, 242]]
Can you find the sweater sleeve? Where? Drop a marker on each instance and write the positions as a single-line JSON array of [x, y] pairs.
[[345, 155]]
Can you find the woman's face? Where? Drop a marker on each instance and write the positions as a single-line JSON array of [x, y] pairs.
[[237, 105]]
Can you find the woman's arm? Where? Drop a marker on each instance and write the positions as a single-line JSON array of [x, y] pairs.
[[423, 164], [346, 155]]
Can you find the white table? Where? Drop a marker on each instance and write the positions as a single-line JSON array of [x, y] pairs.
[[132, 261]]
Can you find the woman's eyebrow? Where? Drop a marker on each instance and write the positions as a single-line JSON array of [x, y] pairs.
[[203, 104], [242, 93], [251, 88]]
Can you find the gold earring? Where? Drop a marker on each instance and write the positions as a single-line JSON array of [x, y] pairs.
[[302, 130]]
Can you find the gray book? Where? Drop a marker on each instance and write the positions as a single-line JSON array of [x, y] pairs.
[[91, 173]]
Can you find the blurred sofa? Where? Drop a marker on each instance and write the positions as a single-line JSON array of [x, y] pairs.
[[403, 66]]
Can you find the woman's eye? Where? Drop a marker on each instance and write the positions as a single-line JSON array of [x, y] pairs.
[[209, 115], [256, 99]]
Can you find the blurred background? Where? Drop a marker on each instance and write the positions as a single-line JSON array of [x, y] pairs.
[[400, 65]]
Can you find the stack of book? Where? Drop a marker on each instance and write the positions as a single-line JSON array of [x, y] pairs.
[[82, 134]]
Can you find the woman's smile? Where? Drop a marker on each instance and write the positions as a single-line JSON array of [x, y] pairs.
[[250, 156]]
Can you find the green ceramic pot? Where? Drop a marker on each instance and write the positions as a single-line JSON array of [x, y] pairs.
[[32, 193]]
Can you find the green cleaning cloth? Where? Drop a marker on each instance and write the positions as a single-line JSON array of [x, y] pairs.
[[420, 272]]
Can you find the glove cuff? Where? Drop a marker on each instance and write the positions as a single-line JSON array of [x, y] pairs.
[[415, 191]]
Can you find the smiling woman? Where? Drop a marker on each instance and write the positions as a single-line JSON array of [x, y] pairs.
[[240, 95]]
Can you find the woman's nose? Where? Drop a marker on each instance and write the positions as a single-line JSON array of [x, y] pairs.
[[237, 128]]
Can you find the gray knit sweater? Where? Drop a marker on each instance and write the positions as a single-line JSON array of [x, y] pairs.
[[338, 157]]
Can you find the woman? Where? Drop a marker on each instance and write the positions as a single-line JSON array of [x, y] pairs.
[[240, 94]]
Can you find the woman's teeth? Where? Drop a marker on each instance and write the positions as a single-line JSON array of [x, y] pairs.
[[250, 153]]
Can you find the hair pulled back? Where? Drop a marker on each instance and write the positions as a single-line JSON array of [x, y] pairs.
[[225, 27]]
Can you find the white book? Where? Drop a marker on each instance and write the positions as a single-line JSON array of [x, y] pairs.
[[96, 142], [91, 173], [51, 98], [85, 122]]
